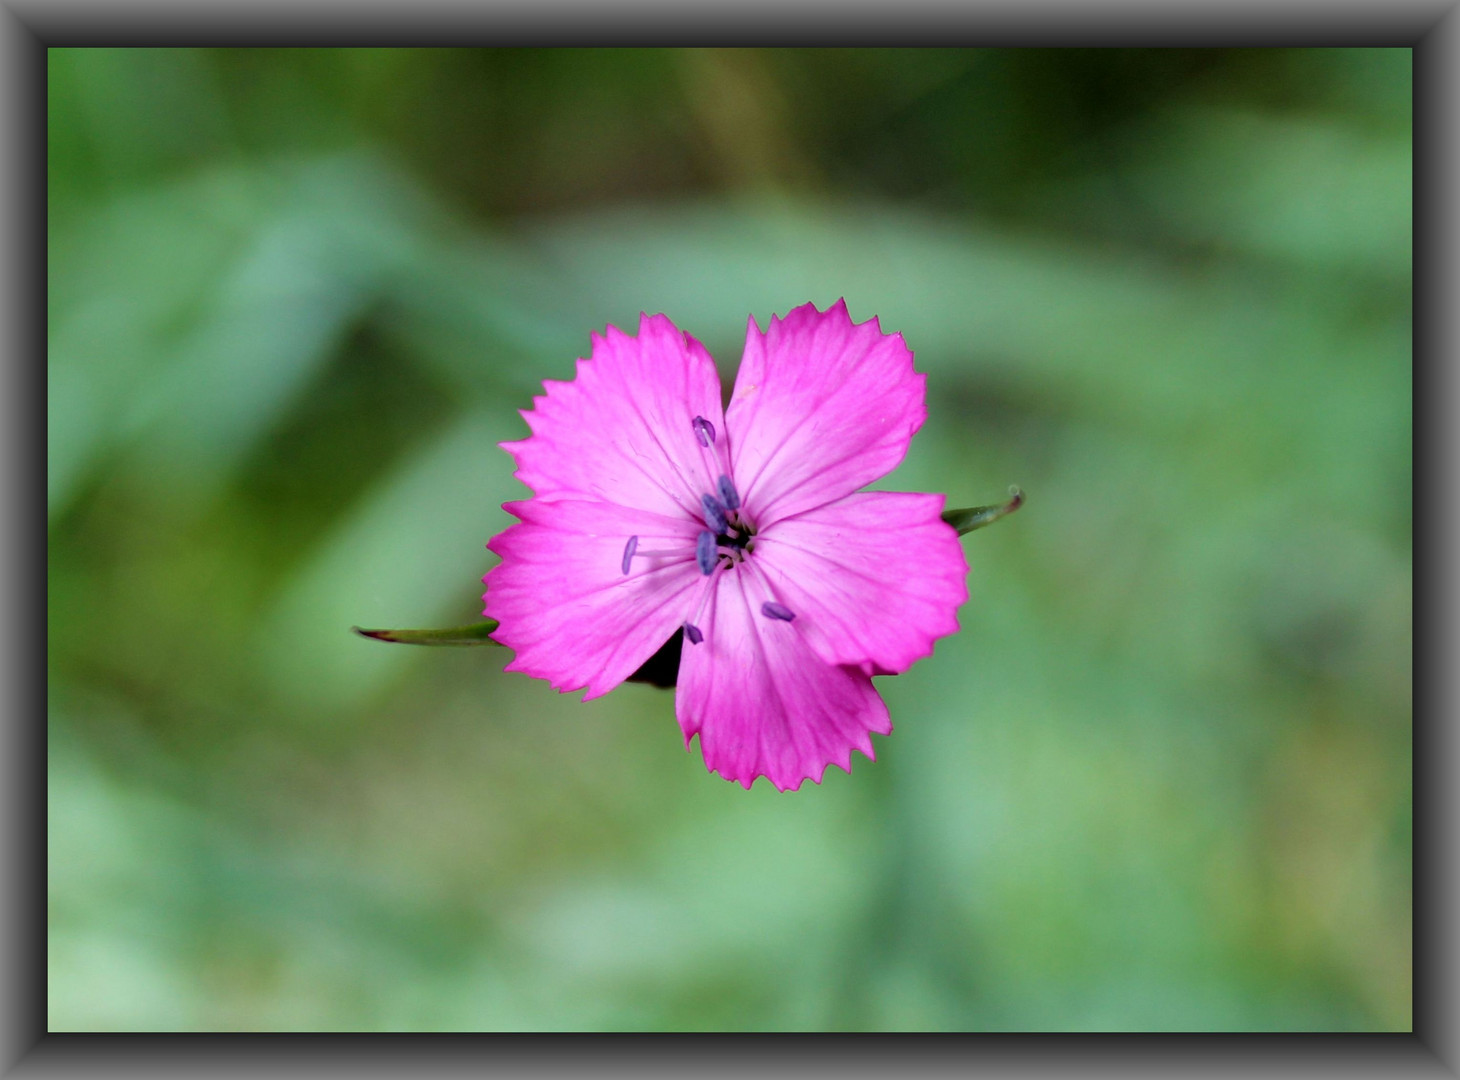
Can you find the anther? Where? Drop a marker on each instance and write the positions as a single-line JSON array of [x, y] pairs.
[[692, 632], [704, 430], [714, 513], [728, 495], [705, 552], [629, 550], [772, 610]]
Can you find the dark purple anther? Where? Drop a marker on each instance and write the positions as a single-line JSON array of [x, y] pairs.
[[629, 550], [714, 513], [692, 632], [772, 610], [705, 553], [728, 495], [704, 430]]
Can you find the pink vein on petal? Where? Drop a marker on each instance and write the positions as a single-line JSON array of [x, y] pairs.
[[764, 704], [563, 603], [875, 577], [821, 407], [621, 431]]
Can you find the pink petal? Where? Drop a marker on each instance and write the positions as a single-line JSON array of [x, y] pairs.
[[821, 408], [762, 702], [623, 430], [874, 579], [565, 606]]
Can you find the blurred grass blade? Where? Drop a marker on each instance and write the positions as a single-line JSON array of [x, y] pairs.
[[475, 634], [976, 517]]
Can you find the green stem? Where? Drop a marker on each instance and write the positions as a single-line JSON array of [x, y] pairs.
[[976, 517], [965, 521]]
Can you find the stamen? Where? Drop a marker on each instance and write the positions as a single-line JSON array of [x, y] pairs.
[[704, 430], [772, 610], [705, 552], [728, 495], [714, 514], [691, 625], [633, 551]]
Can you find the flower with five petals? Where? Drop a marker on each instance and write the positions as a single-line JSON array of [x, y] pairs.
[[656, 513]]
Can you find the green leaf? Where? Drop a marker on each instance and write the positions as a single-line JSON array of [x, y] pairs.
[[475, 634], [976, 517]]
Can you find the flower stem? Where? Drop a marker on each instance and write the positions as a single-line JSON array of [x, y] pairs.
[[976, 517], [965, 521], [475, 634]]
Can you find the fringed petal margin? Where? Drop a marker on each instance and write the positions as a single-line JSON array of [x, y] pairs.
[[623, 431], [563, 602], [874, 578], [763, 703], [822, 406]]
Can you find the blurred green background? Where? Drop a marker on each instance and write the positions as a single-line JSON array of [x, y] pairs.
[[1160, 780]]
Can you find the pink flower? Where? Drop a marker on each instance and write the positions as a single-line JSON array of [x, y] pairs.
[[656, 512]]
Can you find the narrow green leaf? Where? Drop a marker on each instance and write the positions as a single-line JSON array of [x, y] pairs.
[[976, 517], [475, 634]]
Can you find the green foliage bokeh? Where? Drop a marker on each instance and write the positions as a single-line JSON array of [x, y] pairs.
[[1160, 779]]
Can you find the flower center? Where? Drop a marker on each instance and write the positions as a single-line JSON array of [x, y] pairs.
[[730, 535], [726, 541]]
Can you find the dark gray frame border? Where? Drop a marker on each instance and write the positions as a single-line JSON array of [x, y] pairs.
[[29, 27]]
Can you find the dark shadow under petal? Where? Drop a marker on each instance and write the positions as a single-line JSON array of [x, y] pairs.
[[662, 669]]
